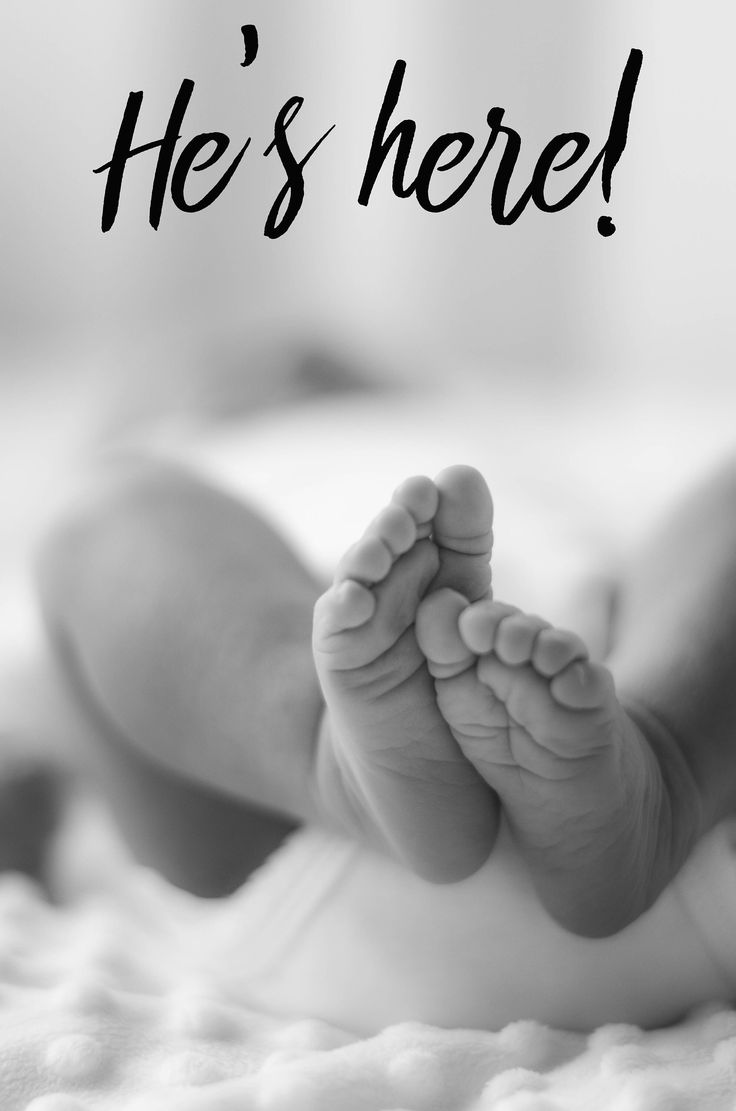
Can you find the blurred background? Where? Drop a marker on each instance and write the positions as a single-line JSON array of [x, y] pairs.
[[208, 319], [546, 298], [146, 315]]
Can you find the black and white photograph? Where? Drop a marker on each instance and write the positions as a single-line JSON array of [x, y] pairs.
[[368, 555]]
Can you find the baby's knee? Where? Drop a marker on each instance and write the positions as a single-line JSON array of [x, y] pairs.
[[108, 525]]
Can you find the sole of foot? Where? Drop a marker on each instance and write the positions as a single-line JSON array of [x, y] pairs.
[[388, 765], [542, 724]]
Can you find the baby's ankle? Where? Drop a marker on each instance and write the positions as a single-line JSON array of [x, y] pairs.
[[335, 805], [688, 819]]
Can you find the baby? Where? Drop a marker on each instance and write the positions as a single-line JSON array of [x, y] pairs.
[[444, 706], [504, 796]]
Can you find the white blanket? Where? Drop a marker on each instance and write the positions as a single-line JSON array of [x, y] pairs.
[[99, 1010]]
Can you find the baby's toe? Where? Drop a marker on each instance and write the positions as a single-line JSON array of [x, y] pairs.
[[347, 605], [368, 561], [516, 636], [395, 527], [527, 701], [437, 633], [462, 532], [478, 624], [583, 686], [419, 496], [465, 511], [473, 712], [555, 649]]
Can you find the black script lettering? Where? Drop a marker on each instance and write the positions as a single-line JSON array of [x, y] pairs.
[[185, 163], [249, 32], [404, 133], [448, 151], [124, 150], [277, 223]]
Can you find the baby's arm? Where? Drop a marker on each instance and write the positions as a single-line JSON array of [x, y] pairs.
[[182, 622]]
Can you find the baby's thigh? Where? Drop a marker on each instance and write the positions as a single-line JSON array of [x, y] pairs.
[[198, 838]]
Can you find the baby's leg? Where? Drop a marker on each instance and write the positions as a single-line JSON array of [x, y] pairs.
[[387, 760], [606, 791], [182, 624], [674, 644], [543, 726]]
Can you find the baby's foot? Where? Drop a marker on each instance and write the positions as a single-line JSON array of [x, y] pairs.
[[387, 761], [580, 785]]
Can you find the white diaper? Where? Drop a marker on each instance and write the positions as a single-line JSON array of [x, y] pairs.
[[328, 930]]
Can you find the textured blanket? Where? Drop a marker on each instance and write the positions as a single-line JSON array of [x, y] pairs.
[[99, 1009]]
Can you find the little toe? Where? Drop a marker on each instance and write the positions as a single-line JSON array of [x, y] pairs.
[[555, 649], [419, 496], [478, 624], [511, 684], [368, 561], [538, 721], [583, 686], [438, 636], [347, 605], [516, 636], [395, 527]]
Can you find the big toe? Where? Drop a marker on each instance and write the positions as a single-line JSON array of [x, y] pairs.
[[465, 512], [462, 531]]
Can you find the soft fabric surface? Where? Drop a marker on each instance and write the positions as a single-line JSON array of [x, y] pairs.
[[98, 1010]]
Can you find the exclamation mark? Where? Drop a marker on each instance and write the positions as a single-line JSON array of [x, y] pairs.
[[618, 134]]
